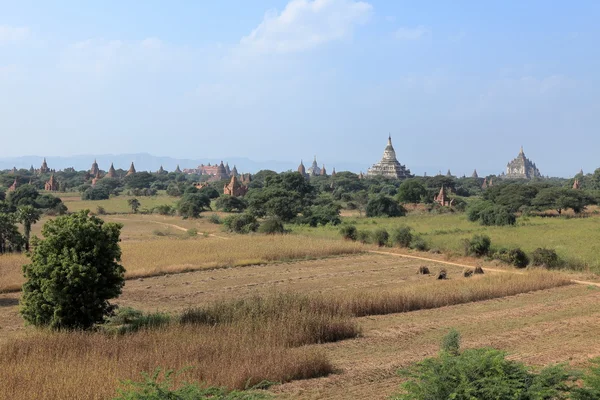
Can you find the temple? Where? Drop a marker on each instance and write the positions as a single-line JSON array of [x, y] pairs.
[[389, 165], [94, 170], [235, 188], [521, 168], [111, 172], [44, 168], [475, 175], [442, 199], [51, 185], [131, 170]]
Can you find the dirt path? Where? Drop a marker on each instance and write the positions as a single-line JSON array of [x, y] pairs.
[[180, 228]]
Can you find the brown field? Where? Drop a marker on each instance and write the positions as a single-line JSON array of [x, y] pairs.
[[557, 324]]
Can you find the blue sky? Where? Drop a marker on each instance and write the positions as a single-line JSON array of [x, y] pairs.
[[458, 84]]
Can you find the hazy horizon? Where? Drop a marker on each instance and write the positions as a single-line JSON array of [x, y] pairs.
[[459, 85]]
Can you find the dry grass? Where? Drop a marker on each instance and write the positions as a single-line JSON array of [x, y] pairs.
[[445, 293], [11, 275], [170, 255], [257, 341]]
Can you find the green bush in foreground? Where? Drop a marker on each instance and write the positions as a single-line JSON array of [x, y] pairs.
[[591, 384], [272, 226], [363, 236], [516, 257], [154, 388], [242, 223], [418, 243], [74, 271], [481, 374]]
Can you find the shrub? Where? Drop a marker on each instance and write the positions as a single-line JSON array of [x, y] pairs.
[[480, 374], [215, 219], [516, 257], [243, 223], [402, 236], [128, 320], [193, 232], [591, 384], [418, 243], [349, 232], [165, 209], [97, 193], [384, 206], [381, 237], [100, 210], [74, 271], [230, 204], [192, 204], [363, 236], [478, 246], [154, 388], [546, 257], [272, 226]]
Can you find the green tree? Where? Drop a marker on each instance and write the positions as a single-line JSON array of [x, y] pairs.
[[192, 204], [384, 206], [10, 238], [28, 215], [230, 204], [560, 199], [134, 204], [411, 191], [73, 274]]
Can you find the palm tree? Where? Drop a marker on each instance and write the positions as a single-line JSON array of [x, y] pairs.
[[134, 204], [28, 215]]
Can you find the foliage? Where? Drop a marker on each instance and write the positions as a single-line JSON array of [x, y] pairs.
[[28, 215], [481, 374], [348, 232], [591, 384], [419, 243], [129, 320], [10, 238], [192, 204], [478, 246], [515, 256], [321, 215], [363, 236], [560, 199], [214, 218], [384, 206], [74, 271], [451, 342], [402, 236], [165, 209], [411, 191], [230, 204], [381, 237], [490, 214], [134, 204], [139, 180], [95, 193], [243, 223], [154, 388], [210, 192], [546, 257], [272, 226]]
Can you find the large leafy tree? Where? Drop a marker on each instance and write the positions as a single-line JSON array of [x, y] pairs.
[[73, 274], [384, 206], [28, 215], [411, 191], [192, 204], [560, 199]]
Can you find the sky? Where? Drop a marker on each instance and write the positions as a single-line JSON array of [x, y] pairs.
[[458, 84]]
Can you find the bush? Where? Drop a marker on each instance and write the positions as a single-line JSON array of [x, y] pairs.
[[192, 232], [128, 320], [384, 206], [381, 237], [243, 223], [165, 209], [192, 204], [363, 236], [154, 388], [481, 374], [272, 226], [230, 204], [451, 342], [215, 219], [418, 243], [349, 232], [74, 271], [490, 214], [546, 257], [97, 193], [591, 384], [100, 210], [402, 236], [516, 257], [478, 246]]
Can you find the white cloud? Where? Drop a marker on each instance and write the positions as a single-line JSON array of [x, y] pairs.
[[415, 33], [305, 24], [12, 34], [152, 43]]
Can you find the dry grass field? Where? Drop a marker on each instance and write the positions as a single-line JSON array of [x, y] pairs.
[[530, 315]]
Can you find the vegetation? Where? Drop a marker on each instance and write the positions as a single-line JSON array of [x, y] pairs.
[[243, 223], [478, 246], [74, 271], [402, 236], [384, 206], [192, 204], [481, 374], [546, 257], [272, 226]]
